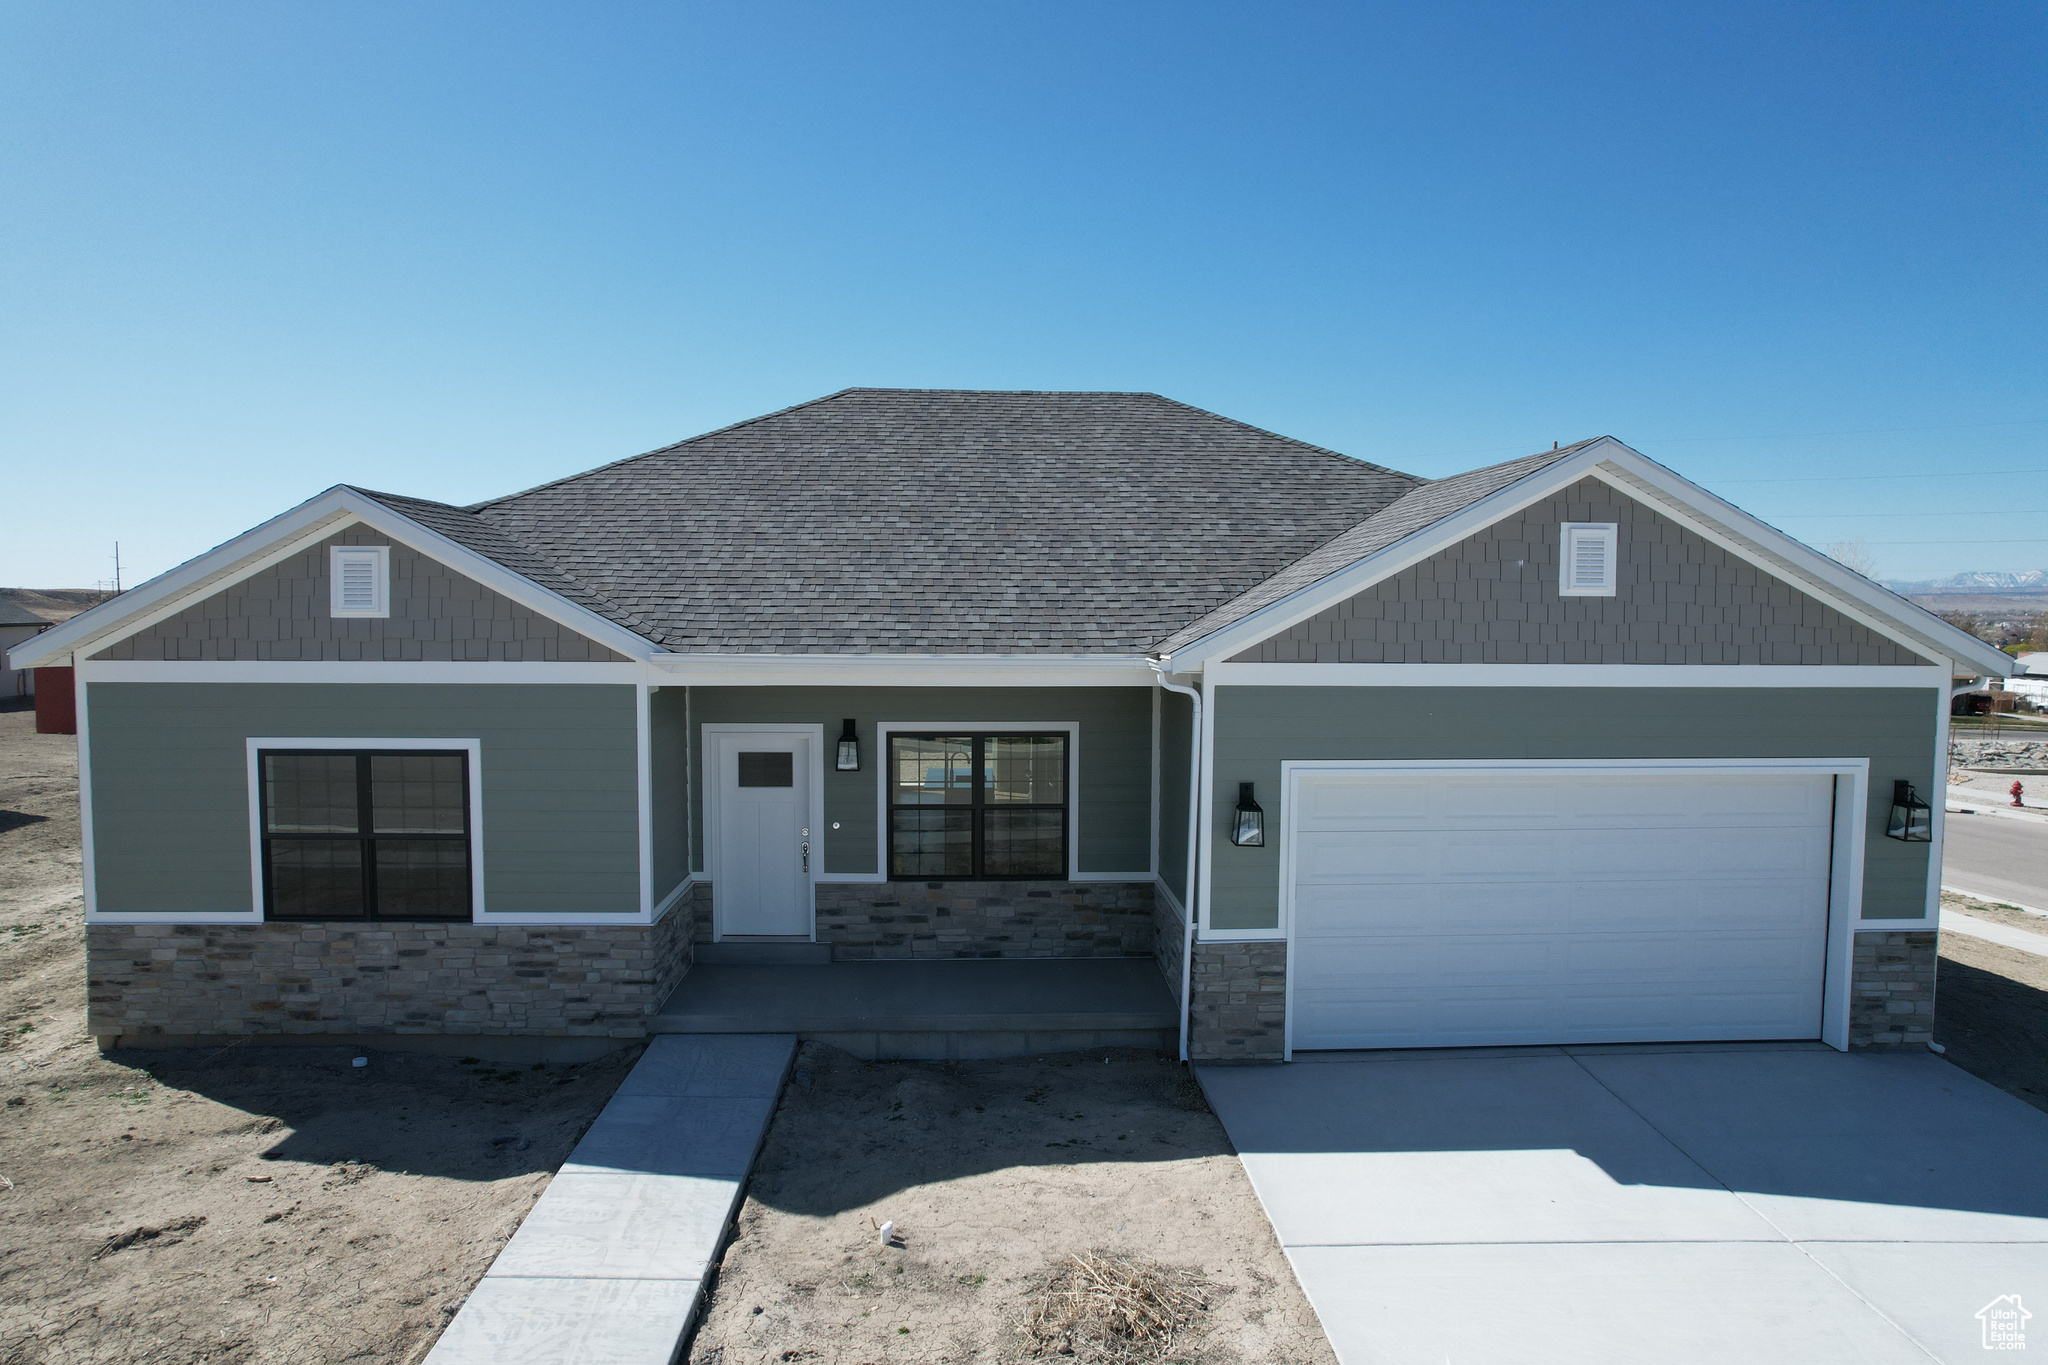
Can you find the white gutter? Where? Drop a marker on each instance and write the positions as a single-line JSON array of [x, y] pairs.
[[1187, 946]]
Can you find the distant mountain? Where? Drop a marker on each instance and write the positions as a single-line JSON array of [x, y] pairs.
[[2032, 581]]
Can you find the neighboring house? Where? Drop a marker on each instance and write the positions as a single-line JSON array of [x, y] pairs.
[[1566, 749], [17, 625], [2030, 678]]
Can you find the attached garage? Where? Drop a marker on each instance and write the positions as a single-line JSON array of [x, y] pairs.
[[1459, 906]]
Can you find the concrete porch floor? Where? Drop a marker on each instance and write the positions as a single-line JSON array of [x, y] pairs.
[[934, 1010]]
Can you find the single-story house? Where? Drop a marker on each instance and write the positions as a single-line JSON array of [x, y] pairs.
[[17, 624], [1565, 749]]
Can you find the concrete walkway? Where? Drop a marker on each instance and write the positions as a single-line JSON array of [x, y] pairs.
[[1682, 1204], [1955, 922], [607, 1268]]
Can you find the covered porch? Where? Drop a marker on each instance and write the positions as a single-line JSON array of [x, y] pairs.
[[928, 1010]]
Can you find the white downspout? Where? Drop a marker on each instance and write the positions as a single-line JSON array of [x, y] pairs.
[[1187, 947]]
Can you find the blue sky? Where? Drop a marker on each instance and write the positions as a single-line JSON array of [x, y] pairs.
[[449, 249]]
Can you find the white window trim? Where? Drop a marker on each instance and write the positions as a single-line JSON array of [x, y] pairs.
[[474, 748], [1845, 882], [1607, 531], [1070, 728], [380, 555]]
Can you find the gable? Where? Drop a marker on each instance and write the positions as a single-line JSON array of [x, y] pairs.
[[281, 613], [1493, 598]]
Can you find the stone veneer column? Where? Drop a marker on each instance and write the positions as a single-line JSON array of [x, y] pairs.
[[1891, 989], [1240, 1002]]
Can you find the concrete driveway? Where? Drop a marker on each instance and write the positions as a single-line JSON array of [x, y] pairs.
[[1701, 1203]]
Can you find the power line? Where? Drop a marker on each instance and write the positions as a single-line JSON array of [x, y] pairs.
[[1851, 516], [1855, 478], [1956, 542], [1782, 436]]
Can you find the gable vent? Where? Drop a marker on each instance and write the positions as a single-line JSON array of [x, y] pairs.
[[1586, 559], [361, 577]]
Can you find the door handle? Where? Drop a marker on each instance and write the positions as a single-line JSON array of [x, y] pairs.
[[807, 855]]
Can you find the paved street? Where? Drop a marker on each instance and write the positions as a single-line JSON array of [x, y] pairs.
[[1997, 858]]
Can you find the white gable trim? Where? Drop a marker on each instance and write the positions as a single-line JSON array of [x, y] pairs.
[[1643, 479], [282, 537]]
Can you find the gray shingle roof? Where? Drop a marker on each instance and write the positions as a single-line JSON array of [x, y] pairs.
[[1423, 507], [955, 522], [922, 521], [14, 614]]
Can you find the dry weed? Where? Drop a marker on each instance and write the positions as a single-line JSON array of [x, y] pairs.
[[1104, 1309]]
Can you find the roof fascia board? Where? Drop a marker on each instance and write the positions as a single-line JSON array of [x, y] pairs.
[[1411, 549], [1850, 593], [167, 594], [903, 670]]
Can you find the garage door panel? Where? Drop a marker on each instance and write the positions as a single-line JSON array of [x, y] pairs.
[[1590, 909]]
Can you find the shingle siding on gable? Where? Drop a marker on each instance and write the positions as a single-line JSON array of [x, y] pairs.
[[1493, 599], [436, 614]]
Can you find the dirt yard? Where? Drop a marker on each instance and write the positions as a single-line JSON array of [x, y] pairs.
[[1991, 1004], [994, 1173], [248, 1205]]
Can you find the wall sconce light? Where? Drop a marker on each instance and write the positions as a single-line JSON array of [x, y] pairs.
[[1912, 819], [849, 749], [1248, 830]]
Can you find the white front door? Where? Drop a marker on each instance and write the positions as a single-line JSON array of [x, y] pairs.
[[766, 847], [1457, 911]]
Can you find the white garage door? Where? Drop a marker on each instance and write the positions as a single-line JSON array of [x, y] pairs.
[[1458, 911]]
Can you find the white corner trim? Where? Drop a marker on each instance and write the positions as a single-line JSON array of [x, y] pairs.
[[1165, 892], [643, 784], [1070, 728], [1576, 675], [1845, 882], [674, 898]]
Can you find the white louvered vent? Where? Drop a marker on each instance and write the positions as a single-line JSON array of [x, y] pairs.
[[361, 576], [1586, 559]]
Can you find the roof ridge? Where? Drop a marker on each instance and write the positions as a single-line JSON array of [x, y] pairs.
[[663, 450], [1293, 440]]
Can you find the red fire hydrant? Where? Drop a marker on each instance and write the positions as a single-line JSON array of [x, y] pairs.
[[2017, 791]]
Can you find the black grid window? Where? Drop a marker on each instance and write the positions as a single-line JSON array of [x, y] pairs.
[[977, 806], [372, 834]]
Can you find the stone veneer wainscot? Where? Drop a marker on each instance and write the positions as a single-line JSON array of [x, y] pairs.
[[395, 977], [938, 920], [1891, 989]]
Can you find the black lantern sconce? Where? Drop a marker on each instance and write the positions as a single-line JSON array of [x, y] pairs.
[[1248, 830], [1912, 819], [849, 749]]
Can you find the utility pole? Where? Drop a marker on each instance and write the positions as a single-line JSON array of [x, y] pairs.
[[117, 568]]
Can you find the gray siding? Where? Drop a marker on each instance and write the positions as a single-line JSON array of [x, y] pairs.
[[1493, 599], [170, 790], [1113, 822], [669, 765], [436, 614], [1176, 782], [1258, 727]]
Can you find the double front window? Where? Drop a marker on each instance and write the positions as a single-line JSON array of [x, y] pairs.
[[365, 834], [977, 805]]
